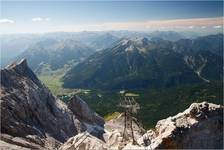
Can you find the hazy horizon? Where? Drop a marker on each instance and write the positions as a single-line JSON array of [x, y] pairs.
[[73, 16]]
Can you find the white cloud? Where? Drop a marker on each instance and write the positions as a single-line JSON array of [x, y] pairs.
[[178, 24], [217, 27], [175, 24], [6, 21], [38, 19]]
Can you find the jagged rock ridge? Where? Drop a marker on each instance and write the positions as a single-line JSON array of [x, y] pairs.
[[31, 113]]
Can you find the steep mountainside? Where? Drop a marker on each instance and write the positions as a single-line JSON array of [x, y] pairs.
[[143, 63], [211, 43], [32, 117], [55, 53]]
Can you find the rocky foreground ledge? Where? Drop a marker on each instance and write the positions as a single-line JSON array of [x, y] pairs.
[[198, 127], [32, 118]]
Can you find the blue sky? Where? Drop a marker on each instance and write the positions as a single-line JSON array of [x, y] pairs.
[[42, 16]]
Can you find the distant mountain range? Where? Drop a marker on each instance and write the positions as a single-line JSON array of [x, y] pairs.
[[55, 53], [42, 49], [142, 63], [13, 45], [168, 35], [104, 41]]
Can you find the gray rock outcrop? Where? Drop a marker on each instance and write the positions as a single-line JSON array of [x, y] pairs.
[[198, 127], [84, 141], [31, 114], [83, 111], [86, 118]]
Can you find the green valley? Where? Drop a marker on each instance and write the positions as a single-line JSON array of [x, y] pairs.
[[156, 104]]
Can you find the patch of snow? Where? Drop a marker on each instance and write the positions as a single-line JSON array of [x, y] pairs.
[[129, 48], [124, 42]]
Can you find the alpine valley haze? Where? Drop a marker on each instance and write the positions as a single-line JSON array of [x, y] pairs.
[[103, 75]]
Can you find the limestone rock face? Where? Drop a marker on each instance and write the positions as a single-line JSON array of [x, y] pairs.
[[31, 114], [86, 118], [29, 108], [8, 146], [198, 127], [84, 141], [83, 111]]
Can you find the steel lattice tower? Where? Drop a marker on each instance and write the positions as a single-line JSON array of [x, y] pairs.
[[130, 107]]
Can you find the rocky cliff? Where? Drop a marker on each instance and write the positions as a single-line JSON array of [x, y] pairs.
[[32, 117]]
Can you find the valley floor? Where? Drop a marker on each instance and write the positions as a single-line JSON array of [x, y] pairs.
[[152, 101]]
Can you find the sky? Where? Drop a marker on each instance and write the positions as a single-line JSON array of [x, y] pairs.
[[53, 16]]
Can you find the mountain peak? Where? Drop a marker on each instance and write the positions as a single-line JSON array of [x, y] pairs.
[[21, 64], [134, 44], [135, 41], [21, 68]]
